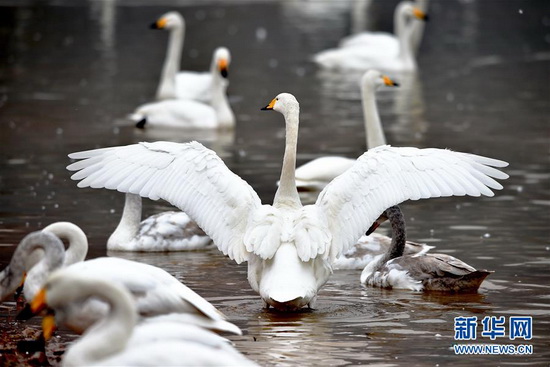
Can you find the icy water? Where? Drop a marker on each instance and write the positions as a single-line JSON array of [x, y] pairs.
[[71, 71]]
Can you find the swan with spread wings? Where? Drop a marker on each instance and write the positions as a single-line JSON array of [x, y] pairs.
[[289, 247]]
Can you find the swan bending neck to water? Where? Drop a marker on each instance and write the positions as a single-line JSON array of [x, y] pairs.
[[428, 271], [172, 21], [289, 247], [317, 173], [38, 254], [117, 339], [166, 231], [12, 276]]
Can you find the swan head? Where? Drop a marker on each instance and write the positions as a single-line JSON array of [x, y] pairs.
[[170, 20], [373, 79], [411, 11], [283, 103], [221, 61]]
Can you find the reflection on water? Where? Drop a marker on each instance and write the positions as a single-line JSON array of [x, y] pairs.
[[73, 73]]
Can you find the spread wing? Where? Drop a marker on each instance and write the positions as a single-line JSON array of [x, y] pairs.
[[386, 176], [189, 176]]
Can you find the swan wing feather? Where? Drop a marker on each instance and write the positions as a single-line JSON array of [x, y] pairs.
[[386, 176], [189, 176]]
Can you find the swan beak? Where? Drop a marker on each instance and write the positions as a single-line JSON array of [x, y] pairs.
[[48, 326], [420, 14], [270, 105], [222, 67], [39, 301], [159, 24], [389, 82]]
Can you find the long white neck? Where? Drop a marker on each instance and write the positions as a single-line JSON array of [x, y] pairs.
[[167, 86], [373, 126], [108, 336], [220, 103], [128, 226], [406, 54], [78, 243], [287, 193], [53, 251], [418, 26]]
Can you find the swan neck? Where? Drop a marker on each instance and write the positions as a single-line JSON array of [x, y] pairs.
[[167, 86], [128, 226], [287, 192], [373, 126], [108, 336], [399, 235], [52, 251], [220, 103], [78, 242], [406, 53]]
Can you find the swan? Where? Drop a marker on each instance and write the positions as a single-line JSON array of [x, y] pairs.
[[117, 338], [289, 247], [166, 231], [156, 291], [387, 42], [198, 85], [317, 173], [361, 57], [186, 84], [186, 113], [168, 110], [34, 259], [428, 271]]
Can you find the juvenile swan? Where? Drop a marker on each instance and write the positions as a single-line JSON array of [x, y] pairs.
[[429, 271], [289, 247]]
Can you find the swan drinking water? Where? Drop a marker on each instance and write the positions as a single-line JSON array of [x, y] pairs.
[[118, 340], [289, 247], [156, 291]]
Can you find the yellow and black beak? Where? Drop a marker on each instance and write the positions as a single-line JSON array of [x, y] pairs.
[[38, 303], [389, 82], [48, 325], [223, 67], [419, 14], [159, 24], [270, 105]]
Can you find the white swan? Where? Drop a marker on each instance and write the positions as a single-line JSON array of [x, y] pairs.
[[156, 291], [317, 173], [427, 271], [34, 259], [198, 85], [362, 57], [117, 340], [166, 231], [169, 111], [387, 42], [189, 114], [289, 247]]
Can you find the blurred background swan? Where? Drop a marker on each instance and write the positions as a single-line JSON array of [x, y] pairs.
[[118, 339], [378, 53]]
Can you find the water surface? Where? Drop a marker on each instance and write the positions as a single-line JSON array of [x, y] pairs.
[[71, 71]]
